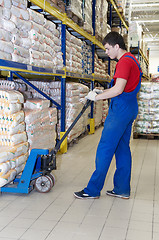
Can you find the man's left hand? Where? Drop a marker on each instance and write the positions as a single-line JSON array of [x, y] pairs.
[[91, 96]]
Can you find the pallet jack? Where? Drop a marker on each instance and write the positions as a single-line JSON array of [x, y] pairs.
[[37, 172]]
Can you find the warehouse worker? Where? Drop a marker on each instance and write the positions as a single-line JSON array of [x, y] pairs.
[[122, 112]]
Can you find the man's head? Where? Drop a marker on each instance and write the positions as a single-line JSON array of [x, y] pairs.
[[114, 43]]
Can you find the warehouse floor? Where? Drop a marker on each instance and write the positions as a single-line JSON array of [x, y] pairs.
[[57, 215]]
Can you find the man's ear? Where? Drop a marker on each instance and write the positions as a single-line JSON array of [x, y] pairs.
[[116, 46]]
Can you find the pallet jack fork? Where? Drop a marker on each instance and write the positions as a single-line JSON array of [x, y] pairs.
[[37, 171]]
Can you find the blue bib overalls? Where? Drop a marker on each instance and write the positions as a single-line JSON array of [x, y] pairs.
[[115, 138]]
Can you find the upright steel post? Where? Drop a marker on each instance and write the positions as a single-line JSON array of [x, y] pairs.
[[63, 88], [92, 122]]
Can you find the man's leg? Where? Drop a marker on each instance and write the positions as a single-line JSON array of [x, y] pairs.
[[122, 174], [110, 138]]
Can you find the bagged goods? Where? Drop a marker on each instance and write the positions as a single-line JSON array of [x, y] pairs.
[[4, 168], [148, 118], [5, 35], [21, 24], [35, 54], [16, 39], [7, 47], [37, 104], [18, 161], [10, 108], [20, 3], [5, 3], [12, 162], [11, 140], [17, 58], [9, 176], [22, 52], [36, 17], [13, 119], [7, 130], [11, 96], [5, 56], [20, 13], [49, 25]]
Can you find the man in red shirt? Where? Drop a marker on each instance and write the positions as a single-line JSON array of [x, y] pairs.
[[122, 112]]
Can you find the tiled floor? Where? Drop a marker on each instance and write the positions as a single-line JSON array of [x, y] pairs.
[[57, 215]]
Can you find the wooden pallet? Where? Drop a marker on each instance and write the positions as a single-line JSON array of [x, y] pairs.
[[146, 135], [75, 18], [76, 140]]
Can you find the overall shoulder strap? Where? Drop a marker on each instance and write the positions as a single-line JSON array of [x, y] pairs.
[[134, 60]]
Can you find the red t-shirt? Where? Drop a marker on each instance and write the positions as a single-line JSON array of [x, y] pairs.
[[127, 69]]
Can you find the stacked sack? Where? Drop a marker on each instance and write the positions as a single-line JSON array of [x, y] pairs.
[[101, 18], [20, 17], [13, 138], [26, 37], [40, 122], [75, 98], [135, 34], [98, 112], [86, 58], [148, 117], [87, 16], [100, 67], [73, 53], [75, 7], [105, 110]]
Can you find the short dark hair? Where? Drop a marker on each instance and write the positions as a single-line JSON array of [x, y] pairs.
[[114, 38]]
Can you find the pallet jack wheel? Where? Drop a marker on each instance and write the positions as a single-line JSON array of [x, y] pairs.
[[52, 178], [43, 184]]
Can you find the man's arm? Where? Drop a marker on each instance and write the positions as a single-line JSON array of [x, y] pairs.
[[116, 90]]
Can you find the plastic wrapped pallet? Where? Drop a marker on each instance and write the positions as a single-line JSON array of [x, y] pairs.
[[98, 113], [40, 125], [87, 16], [101, 18], [105, 110], [12, 126], [75, 93], [75, 7], [13, 139], [148, 117], [12, 162]]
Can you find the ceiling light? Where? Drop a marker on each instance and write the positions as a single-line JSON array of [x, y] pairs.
[[145, 5], [147, 21]]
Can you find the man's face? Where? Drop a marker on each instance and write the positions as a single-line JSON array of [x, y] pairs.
[[111, 51]]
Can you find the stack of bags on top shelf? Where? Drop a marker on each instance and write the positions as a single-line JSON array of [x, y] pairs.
[[26, 37], [87, 15], [135, 34], [13, 138], [75, 95], [73, 53], [40, 122], [75, 6], [148, 117], [121, 5], [101, 19]]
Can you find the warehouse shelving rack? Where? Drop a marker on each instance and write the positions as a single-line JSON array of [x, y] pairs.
[[121, 22], [24, 71], [137, 50]]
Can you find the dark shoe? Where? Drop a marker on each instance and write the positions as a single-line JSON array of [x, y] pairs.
[[83, 195], [112, 193]]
